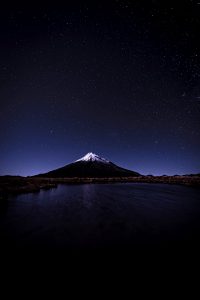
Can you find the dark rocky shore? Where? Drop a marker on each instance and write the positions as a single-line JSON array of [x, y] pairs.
[[13, 185]]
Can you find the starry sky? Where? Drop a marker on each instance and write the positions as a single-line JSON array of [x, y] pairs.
[[118, 78]]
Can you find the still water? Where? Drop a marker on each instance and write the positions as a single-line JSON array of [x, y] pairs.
[[91, 216]]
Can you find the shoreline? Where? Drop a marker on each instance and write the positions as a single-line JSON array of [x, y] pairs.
[[14, 185]]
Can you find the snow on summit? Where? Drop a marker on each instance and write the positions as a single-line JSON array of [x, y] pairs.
[[93, 157]]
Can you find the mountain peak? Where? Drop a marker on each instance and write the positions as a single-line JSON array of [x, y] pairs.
[[90, 166], [93, 157]]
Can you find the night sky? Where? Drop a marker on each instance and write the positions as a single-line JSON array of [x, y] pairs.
[[118, 78]]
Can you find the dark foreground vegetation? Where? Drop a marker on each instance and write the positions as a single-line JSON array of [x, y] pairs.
[[12, 185]]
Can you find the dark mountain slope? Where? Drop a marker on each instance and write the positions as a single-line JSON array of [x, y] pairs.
[[91, 165]]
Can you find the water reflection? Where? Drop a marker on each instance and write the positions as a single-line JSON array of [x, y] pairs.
[[89, 194], [102, 215]]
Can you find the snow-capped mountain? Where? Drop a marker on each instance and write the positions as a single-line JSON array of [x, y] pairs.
[[93, 157], [90, 165]]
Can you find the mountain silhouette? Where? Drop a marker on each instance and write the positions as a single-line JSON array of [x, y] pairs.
[[90, 165]]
